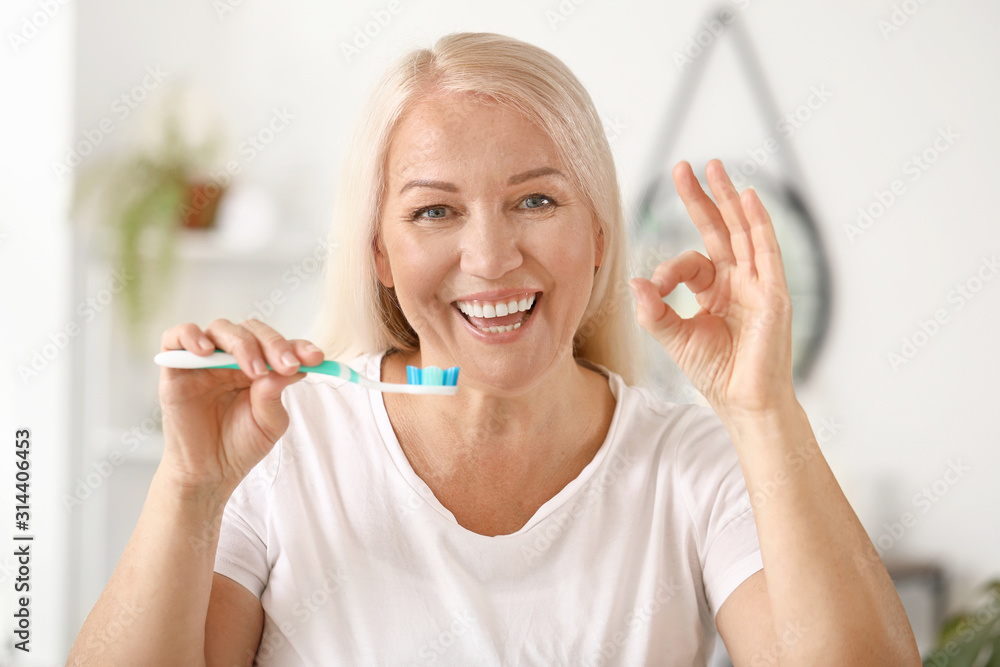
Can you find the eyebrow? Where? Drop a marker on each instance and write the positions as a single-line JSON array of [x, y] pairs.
[[513, 180]]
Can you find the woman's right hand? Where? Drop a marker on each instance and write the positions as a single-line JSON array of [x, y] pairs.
[[218, 423]]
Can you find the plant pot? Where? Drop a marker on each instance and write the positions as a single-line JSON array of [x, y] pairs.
[[198, 211]]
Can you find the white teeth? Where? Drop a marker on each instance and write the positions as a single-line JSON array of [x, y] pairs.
[[509, 327], [496, 309]]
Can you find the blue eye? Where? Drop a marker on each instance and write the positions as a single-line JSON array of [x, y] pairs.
[[543, 200], [432, 213]]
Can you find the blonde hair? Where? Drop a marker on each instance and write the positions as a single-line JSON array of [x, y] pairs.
[[359, 315]]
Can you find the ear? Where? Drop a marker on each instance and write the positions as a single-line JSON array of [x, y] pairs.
[[382, 266]]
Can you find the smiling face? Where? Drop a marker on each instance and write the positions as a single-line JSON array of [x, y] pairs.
[[480, 216]]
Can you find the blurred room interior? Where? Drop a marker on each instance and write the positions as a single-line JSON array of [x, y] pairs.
[[176, 162]]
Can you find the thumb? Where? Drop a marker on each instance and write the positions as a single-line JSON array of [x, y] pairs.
[[265, 400], [651, 312]]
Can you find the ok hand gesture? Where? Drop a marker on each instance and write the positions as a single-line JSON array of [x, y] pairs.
[[737, 349]]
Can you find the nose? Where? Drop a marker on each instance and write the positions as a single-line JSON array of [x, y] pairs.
[[490, 245]]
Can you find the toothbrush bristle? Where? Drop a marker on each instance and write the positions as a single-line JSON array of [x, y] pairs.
[[432, 375]]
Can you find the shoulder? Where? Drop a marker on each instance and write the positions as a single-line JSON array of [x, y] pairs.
[[687, 441], [678, 427]]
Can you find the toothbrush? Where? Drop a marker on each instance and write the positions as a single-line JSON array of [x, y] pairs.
[[430, 380]]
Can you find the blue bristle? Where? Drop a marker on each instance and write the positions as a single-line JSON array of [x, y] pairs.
[[432, 375]]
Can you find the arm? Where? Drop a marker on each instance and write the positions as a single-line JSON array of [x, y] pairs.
[[160, 591], [234, 626], [217, 424], [826, 595], [165, 595], [822, 577]]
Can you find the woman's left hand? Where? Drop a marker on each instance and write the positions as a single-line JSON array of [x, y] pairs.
[[737, 349]]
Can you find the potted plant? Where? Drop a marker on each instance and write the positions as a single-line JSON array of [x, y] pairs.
[[142, 201], [971, 638]]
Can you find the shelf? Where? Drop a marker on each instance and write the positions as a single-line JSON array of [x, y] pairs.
[[210, 246]]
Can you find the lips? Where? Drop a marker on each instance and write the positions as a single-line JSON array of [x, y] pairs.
[[498, 323]]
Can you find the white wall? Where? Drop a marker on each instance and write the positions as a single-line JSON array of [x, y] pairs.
[[890, 95], [36, 87]]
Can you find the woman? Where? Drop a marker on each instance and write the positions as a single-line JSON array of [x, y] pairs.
[[549, 513]]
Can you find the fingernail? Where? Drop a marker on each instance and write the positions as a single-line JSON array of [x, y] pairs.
[[312, 348], [205, 344], [259, 367], [290, 359], [658, 283]]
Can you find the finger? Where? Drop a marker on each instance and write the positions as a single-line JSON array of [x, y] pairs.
[[732, 213], [241, 343], [690, 267], [651, 312], [278, 350], [186, 337], [767, 253], [705, 214], [265, 400], [308, 352]]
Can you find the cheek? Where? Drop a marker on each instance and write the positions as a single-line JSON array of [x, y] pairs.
[[418, 269], [570, 253]]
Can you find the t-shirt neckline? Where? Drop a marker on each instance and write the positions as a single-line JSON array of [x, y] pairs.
[[423, 491]]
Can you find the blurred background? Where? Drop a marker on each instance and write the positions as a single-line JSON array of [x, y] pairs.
[[173, 162]]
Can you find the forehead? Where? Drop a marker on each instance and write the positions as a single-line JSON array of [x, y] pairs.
[[465, 136]]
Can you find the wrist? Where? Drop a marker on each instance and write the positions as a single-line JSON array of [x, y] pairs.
[[776, 418], [206, 497]]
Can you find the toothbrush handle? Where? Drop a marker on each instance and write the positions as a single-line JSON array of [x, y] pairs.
[[190, 360], [185, 359]]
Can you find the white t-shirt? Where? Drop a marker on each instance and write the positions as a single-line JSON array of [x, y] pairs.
[[357, 563]]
